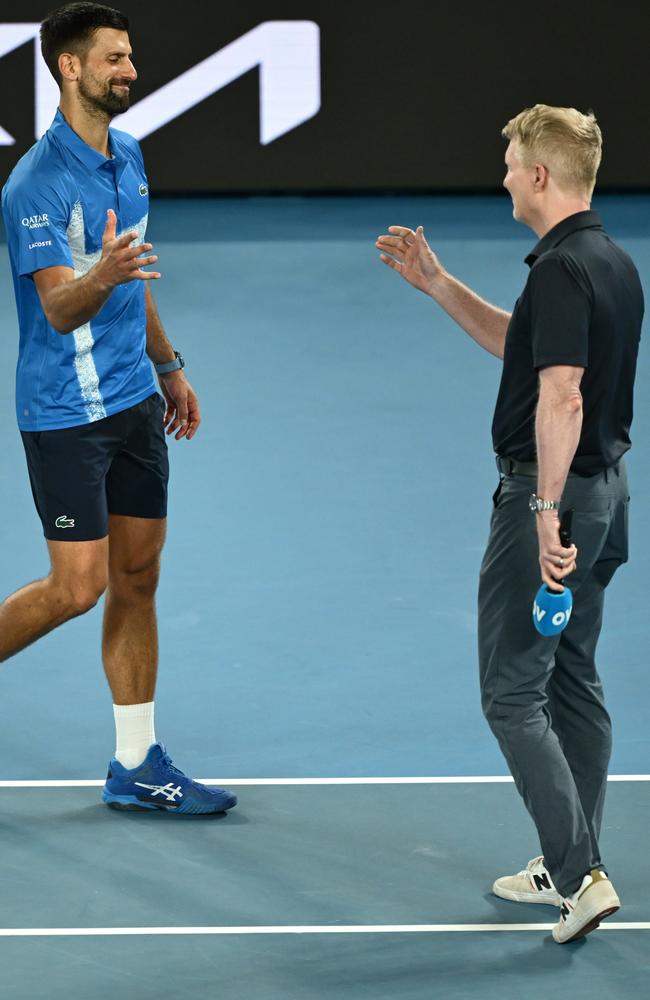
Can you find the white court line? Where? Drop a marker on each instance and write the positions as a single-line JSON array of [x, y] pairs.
[[463, 780], [319, 929]]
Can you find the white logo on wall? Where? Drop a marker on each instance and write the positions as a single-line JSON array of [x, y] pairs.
[[287, 53]]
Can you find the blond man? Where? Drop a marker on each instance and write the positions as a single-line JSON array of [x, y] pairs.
[[560, 431]]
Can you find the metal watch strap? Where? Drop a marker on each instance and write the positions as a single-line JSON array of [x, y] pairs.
[[170, 366], [538, 504]]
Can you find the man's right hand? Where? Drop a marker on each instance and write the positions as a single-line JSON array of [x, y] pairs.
[[409, 254], [120, 262]]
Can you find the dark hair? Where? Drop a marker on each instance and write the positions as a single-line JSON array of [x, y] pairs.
[[71, 29]]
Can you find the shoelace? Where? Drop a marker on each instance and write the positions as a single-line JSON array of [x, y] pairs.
[[166, 759], [532, 864]]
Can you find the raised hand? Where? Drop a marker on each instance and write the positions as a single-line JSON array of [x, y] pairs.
[[120, 262], [409, 254]]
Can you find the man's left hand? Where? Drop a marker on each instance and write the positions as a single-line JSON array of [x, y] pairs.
[[555, 561], [183, 414]]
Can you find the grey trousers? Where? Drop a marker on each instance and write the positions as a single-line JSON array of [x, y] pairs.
[[542, 696]]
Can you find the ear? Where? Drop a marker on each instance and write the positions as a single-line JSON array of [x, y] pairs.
[[69, 66], [540, 180]]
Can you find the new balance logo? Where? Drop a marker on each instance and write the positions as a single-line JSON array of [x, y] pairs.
[[170, 791], [64, 521], [542, 882]]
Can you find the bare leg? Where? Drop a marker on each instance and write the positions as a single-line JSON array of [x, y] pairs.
[[130, 639], [76, 582]]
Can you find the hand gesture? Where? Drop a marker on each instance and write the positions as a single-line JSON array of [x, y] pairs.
[[555, 561], [409, 254], [120, 262], [183, 414]]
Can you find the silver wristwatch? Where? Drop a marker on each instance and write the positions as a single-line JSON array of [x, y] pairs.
[[536, 504], [170, 366]]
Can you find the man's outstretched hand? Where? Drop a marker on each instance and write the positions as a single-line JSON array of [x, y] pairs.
[[409, 254], [120, 262]]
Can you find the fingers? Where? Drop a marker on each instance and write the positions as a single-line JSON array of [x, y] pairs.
[[110, 227], [392, 245], [140, 262], [193, 416], [398, 245], [179, 422], [125, 240], [395, 264], [145, 275], [556, 564], [183, 414], [552, 583]]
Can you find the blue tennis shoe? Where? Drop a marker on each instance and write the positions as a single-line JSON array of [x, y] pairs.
[[157, 784]]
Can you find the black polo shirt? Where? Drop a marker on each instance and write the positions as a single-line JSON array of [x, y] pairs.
[[582, 305]]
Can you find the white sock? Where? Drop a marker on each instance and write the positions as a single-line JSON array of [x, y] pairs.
[[134, 733]]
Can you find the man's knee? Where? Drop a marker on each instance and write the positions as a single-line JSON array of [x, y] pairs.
[[137, 579], [79, 575], [78, 595]]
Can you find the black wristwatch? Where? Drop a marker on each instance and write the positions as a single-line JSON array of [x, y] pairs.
[[171, 366]]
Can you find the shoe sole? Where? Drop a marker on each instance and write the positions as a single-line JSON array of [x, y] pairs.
[[526, 897], [593, 924], [592, 919], [129, 803]]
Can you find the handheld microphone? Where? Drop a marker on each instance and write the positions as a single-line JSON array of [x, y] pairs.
[[552, 610]]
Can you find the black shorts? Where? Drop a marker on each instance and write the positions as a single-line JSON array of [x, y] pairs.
[[80, 475]]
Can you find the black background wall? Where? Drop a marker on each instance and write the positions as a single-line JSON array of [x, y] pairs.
[[413, 98]]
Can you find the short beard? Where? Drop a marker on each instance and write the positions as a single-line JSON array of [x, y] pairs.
[[104, 106]]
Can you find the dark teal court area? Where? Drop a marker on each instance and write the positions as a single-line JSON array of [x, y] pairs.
[[314, 856], [317, 619]]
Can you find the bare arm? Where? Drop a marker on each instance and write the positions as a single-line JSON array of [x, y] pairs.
[[69, 302], [558, 423], [183, 413], [159, 348], [409, 254]]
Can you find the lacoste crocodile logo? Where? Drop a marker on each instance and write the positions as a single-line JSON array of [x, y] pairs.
[[64, 521]]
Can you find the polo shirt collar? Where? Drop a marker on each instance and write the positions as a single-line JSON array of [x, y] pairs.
[[66, 135], [553, 238]]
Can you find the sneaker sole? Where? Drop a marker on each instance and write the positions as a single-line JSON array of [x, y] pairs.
[[592, 919], [129, 803], [593, 924], [526, 897]]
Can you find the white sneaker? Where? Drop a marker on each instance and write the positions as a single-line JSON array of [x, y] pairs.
[[532, 885], [582, 912]]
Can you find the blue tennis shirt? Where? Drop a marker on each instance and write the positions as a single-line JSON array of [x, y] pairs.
[[54, 205]]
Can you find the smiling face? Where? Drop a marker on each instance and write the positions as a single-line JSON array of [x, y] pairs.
[[519, 182], [106, 73]]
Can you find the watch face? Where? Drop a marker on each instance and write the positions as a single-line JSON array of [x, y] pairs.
[[532, 503]]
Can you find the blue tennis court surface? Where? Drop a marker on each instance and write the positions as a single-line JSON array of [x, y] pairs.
[[317, 620]]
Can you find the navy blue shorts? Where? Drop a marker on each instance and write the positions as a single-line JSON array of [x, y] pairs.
[[80, 475]]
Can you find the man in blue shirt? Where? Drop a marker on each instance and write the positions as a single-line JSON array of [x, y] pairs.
[[92, 423]]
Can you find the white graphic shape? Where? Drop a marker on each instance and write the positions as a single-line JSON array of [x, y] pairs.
[[12, 36], [288, 55], [170, 791], [84, 341]]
